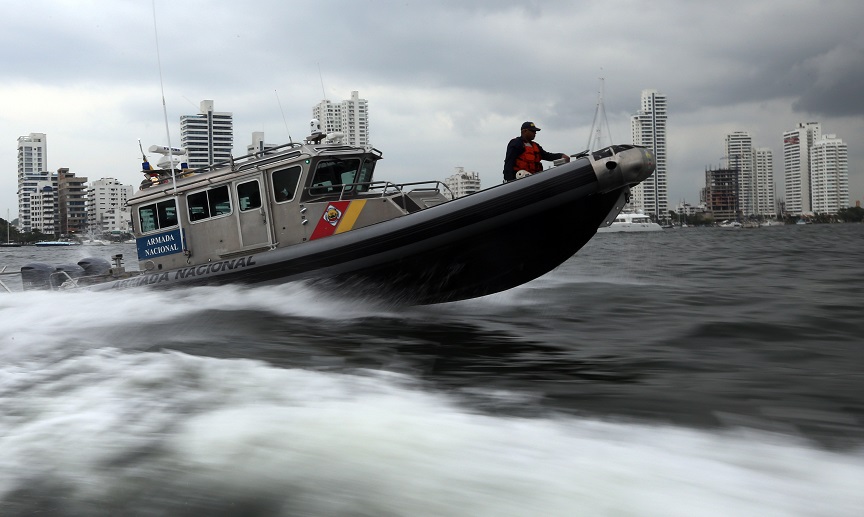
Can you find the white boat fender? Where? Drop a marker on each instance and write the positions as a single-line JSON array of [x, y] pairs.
[[522, 174]]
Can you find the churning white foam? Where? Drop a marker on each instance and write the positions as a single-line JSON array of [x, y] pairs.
[[36, 322], [107, 425]]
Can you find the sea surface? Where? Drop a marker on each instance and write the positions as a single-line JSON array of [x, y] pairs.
[[692, 372]]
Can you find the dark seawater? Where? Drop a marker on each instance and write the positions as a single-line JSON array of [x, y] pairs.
[[693, 372]]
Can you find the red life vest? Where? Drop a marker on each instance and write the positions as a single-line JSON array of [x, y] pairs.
[[529, 160]]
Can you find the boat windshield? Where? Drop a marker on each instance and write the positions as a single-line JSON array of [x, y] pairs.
[[332, 173]]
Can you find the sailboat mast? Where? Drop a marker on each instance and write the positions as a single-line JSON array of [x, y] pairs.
[[595, 136]]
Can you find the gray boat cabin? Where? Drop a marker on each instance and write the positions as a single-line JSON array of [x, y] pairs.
[[275, 198]]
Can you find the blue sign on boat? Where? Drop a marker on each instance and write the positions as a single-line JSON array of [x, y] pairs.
[[159, 244]]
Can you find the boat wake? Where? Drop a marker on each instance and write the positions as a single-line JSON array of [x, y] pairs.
[[200, 402], [110, 432], [93, 320]]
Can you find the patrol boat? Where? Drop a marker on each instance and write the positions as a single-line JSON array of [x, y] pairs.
[[313, 211]]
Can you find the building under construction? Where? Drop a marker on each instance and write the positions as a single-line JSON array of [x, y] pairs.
[[721, 193]]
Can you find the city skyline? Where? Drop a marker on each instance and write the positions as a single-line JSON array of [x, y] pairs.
[[457, 106], [820, 193]]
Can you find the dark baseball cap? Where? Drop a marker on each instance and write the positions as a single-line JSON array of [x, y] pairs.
[[530, 125]]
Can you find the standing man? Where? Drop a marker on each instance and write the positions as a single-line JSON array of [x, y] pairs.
[[524, 154]]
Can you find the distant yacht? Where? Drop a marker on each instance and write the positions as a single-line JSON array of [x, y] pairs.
[[56, 243], [772, 222], [630, 222], [730, 224]]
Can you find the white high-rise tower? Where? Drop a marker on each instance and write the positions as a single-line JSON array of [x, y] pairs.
[[462, 183], [796, 166], [739, 151], [350, 117], [829, 175], [648, 129], [32, 178], [763, 181], [208, 137]]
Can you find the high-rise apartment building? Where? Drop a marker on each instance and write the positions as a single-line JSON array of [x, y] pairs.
[[763, 182], [829, 175], [32, 160], [71, 202], [796, 166], [258, 144], [106, 206], [350, 117], [463, 183], [329, 115], [739, 156], [755, 168], [648, 128], [43, 207], [208, 137]]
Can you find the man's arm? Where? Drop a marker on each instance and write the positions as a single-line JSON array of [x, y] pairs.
[[551, 157]]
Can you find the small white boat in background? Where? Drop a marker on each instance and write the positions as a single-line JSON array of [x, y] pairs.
[[55, 243], [772, 222], [730, 224], [631, 222]]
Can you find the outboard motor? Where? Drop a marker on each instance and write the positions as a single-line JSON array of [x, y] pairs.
[[64, 273], [35, 276], [95, 266]]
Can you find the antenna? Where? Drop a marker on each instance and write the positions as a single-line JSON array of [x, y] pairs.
[[197, 106], [327, 126], [595, 137], [283, 116], [321, 77], [168, 133]]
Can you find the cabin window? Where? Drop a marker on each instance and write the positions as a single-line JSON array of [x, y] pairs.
[[285, 183], [158, 216], [209, 203], [365, 175], [249, 195], [331, 174], [366, 171]]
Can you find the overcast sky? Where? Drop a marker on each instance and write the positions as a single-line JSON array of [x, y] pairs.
[[448, 82]]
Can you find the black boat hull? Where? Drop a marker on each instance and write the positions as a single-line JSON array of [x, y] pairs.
[[491, 260]]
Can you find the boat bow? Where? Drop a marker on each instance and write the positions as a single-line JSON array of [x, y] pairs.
[[622, 165]]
